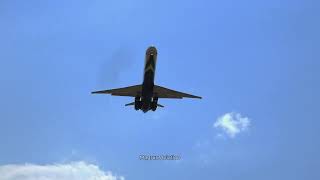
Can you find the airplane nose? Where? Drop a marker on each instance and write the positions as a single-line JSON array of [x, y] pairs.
[[152, 50]]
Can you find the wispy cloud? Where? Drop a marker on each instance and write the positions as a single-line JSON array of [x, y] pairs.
[[70, 171], [114, 66], [232, 124]]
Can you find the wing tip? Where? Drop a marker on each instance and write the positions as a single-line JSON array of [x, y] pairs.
[[193, 96], [100, 92]]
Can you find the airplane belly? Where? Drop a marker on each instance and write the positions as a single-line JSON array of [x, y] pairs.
[[147, 94], [150, 65]]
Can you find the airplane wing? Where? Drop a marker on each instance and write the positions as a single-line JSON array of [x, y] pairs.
[[162, 92], [132, 91]]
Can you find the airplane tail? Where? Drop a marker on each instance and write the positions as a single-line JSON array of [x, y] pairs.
[[132, 104]]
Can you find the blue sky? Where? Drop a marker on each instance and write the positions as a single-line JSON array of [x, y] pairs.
[[256, 58]]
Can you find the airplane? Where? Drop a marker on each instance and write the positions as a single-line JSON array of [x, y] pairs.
[[146, 94]]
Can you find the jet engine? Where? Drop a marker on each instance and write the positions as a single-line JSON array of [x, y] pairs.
[[154, 104], [137, 103]]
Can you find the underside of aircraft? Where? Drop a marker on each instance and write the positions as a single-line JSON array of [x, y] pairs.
[[147, 94]]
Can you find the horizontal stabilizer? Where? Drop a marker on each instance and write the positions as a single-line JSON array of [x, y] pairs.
[[159, 105], [130, 104]]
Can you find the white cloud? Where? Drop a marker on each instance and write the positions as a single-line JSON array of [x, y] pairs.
[[232, 123], [71, 171]]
